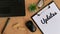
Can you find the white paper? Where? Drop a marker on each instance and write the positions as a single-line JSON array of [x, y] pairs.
[[53, 24]]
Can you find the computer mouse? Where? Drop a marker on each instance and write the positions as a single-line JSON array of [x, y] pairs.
[[29, 24]]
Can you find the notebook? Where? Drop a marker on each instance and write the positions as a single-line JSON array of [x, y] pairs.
[[9, 8], [48, 19]]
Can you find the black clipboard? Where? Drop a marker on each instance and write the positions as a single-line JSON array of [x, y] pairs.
[[38, 15]]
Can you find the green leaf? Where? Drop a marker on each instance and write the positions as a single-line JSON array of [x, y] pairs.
[[32, 7]]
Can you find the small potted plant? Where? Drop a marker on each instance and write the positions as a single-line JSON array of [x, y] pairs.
[[32, 7]]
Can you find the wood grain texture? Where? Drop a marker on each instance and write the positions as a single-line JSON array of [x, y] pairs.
[[22, 20]]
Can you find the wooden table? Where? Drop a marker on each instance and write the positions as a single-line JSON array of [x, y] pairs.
[[22, 19]]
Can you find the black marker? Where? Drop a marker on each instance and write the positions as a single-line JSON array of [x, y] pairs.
[[5, 25]]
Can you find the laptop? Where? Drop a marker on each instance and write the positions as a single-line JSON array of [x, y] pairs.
[[9, 8]]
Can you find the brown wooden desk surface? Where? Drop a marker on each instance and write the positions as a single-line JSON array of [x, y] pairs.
[[22, 20]]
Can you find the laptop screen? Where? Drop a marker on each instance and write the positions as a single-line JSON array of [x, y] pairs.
[[9, 8]]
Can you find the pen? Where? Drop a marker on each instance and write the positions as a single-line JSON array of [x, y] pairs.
[[5, 25]]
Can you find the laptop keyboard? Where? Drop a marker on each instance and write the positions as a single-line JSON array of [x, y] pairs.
[[12, 7]]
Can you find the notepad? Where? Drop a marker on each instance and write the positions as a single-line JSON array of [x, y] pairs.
[[48, 19]]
